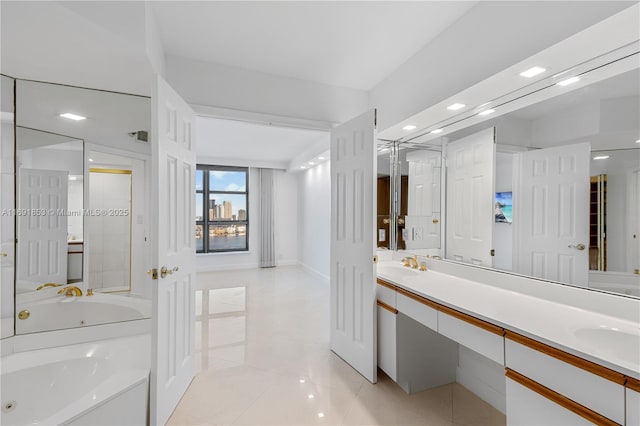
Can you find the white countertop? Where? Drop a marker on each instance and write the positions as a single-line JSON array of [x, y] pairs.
[[609, 341]]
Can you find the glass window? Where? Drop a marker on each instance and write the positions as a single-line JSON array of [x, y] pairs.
[[222, 209]]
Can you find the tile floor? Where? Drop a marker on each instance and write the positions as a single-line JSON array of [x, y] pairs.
[[262, 342]]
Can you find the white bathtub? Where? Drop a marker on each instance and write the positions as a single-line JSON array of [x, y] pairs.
[[102, 382], [60, 312]]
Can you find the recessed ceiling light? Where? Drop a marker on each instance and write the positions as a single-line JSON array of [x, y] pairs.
[[71, 116], [455, 107], [301, 380], [436, 131], [487, 112], [568, 81], [638, 141], [409, 127], [321, 415], [531, 72], [91, 160], [321, 158], [311, 163], [303, 167], [310, 396], [601, 157]]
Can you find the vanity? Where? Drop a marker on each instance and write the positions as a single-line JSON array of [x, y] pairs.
[[564, 362]]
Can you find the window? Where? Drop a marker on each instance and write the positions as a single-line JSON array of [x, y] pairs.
[[222, 213]]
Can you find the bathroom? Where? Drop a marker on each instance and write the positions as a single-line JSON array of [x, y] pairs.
[[96, 263]]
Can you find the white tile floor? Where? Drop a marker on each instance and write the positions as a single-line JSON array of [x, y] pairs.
[[262, 342]]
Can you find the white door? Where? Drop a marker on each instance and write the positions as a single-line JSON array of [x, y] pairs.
[[353, 186], [173, 198], [470, 198], [42, 227], [633, 238], [423, 205], [553, 214]]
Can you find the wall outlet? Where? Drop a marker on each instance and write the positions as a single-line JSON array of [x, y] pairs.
[[382, 235]]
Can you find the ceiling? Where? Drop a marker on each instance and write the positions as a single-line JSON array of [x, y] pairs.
[[110, 117], [623, 85], [353, 44], [260, 145]]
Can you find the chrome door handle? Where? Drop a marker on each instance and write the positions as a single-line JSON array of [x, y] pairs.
[[577, 246]]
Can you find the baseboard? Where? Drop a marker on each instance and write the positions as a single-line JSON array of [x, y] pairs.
[[314, 272], [233, 267], [289, 262]]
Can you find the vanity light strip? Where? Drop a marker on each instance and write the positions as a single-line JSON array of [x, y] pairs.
[[559, 399], [387, 307], [581, 363], [633, 384]]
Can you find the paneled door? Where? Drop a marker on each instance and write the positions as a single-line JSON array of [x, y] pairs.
[[42, 227], [353, 189], [552, 225], [173, 198], [423, 205], [470, 198]]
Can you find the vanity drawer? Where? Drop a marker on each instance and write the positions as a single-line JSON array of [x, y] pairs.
[[527, 407], [486, 339], [545, 365], [386, 293], [417, 308]]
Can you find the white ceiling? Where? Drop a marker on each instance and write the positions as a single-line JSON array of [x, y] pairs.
[[347, 44], [110, 116], [255, 144], [623, 85]]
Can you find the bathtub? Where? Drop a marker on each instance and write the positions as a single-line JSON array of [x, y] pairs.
[[103, 382], [60, 312]]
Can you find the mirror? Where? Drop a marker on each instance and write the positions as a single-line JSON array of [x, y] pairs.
[[409, 197], [7, 204], [81, 166], [588, 228]]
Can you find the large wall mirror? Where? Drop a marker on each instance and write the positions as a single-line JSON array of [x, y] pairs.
[[551, 189], [80, 207]]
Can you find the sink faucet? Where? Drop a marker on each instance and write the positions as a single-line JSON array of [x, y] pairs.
[[48, 285], [70, 291], [411, 262]]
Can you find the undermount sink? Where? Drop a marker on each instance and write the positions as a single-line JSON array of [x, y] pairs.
[[612, 341]]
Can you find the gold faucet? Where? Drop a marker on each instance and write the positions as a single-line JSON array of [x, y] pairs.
[[411, 262], [48, 285], [70, 291]]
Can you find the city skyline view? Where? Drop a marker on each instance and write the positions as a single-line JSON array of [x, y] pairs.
[[228, 206]]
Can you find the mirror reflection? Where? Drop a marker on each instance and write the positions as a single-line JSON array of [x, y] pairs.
[[81, 158], [7, 204], [562, 191]]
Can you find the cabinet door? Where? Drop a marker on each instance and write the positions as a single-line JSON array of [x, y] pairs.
[[633, 407], [387, 342]]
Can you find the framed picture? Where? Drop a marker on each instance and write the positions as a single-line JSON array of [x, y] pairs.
[[504, 207]]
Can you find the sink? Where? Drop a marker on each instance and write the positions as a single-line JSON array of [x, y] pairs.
[[612, 341]]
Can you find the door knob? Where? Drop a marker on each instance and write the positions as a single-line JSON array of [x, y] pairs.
[[164, 271], [435, 221], [577, 246]]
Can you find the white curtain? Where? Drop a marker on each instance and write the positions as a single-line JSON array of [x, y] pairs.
[[267, 218]]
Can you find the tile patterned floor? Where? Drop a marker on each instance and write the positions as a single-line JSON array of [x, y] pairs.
[[262, 342]]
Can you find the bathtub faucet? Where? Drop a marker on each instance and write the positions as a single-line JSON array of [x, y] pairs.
[[70, 291]]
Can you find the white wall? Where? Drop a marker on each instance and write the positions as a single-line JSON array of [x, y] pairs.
[[209, 84], [286, 218], [286, 228], [492, 36], [314, 199]]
